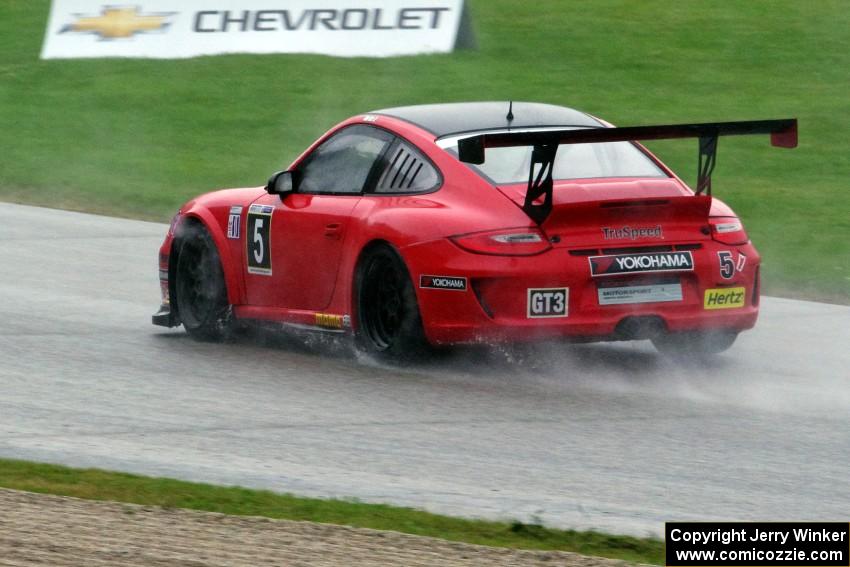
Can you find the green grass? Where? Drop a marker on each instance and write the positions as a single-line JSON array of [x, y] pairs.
[[138, 137], [96, 484]]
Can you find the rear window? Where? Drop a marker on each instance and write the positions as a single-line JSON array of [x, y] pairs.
[[504, 166]]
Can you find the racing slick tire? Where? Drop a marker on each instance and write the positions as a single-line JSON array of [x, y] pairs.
[[388, 320], [694, 343], [199, 284]]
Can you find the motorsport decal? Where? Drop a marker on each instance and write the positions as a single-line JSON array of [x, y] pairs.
[[332, 321], [724, 298], [548, 302], [640, 263], [173, 29], [728, 266], [233, 221], [658, 293], [258, 239], [443, 282], [632, 233]]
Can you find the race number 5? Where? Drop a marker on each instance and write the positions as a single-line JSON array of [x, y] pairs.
[[727, 265], [258, 240]]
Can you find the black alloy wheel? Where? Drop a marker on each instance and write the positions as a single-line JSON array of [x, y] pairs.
[[201, 292], [388, 316]]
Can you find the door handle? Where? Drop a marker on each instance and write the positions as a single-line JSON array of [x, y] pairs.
[[333, 230]]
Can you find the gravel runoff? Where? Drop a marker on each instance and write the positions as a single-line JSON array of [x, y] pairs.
[[39, 529]]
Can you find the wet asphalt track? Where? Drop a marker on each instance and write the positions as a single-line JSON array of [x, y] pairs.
[[605, 436]]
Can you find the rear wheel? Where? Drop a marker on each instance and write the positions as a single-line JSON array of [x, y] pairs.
[[200, 288], [694, 343], [388, 316]]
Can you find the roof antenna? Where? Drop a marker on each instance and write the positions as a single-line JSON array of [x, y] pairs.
[[510, 116]]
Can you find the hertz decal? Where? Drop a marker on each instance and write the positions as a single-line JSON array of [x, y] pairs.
[[724, 298]]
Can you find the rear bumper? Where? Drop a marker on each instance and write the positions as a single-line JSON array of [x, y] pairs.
[[495, 303]]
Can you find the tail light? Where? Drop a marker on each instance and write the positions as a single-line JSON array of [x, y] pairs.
[[728, 230], [511, 242]]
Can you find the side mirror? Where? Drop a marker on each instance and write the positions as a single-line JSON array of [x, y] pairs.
[[281, 183]]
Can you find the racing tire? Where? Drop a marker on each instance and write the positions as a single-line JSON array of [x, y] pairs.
[[694, 343], [388, 320], [199, 285]]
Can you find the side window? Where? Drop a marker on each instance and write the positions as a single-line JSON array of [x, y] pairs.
[[343, 162], [407, 171]]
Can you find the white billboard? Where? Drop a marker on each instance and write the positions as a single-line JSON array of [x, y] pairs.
[[172, 29]]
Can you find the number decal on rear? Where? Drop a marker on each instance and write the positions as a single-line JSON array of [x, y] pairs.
[[727, 265], [258, 240]]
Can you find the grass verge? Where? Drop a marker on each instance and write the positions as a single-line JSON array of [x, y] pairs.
[[94, 484], [136, 138]]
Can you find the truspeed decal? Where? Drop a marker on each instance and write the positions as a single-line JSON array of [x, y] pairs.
[[724, 298], [172, 29], [641, 263], [630, 233], [454, 283]]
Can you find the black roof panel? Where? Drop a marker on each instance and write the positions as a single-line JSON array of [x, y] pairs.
[[457, 117]]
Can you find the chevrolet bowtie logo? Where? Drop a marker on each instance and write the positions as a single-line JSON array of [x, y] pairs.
[[118, 22]]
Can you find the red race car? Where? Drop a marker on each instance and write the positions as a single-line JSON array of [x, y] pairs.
[[474, 222]]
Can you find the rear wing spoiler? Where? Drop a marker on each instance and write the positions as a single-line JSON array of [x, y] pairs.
[[783, 134]]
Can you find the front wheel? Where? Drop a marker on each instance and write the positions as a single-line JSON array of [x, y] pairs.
[[388, 317], [694, 343], [201, 292]]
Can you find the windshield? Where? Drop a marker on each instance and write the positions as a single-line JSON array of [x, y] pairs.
[[504, 166]]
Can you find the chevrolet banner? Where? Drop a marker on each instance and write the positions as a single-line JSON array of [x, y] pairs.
[[172, 29]]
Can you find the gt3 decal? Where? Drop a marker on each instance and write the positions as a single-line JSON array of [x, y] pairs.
[[640, 263], [454, 283], [724, 298], [258, 239], [548, 302], [233, 221]]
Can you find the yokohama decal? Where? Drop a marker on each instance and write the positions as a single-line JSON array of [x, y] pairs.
[[443, 282], [641, 263]]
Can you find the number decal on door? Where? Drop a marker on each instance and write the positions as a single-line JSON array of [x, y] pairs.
[[258, 240]]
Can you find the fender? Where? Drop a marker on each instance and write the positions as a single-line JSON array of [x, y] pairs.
[[230, 267]]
